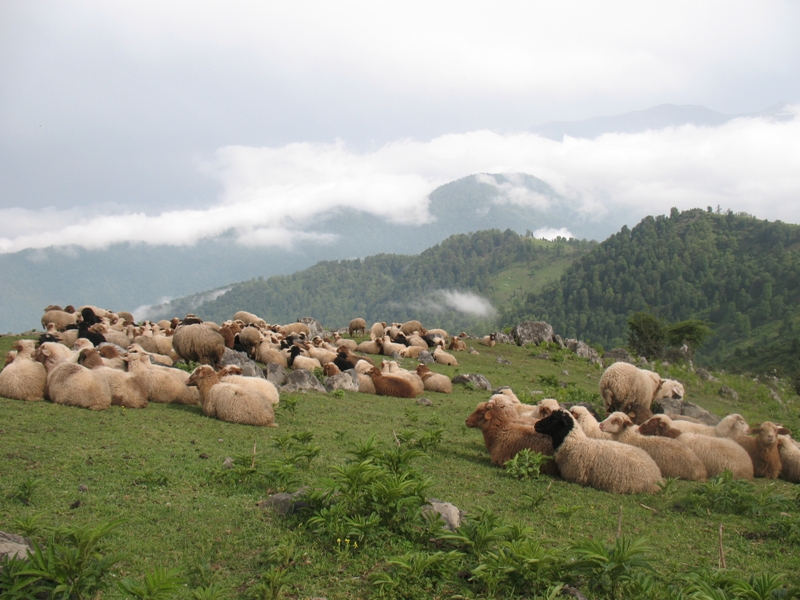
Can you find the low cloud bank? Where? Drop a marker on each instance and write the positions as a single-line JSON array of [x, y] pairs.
[[272, 195], [452, 300], [165, 308]]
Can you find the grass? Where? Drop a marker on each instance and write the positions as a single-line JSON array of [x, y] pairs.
[[158, 470]]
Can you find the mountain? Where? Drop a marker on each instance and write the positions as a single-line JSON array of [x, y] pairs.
[[134, 276], [658, 117]]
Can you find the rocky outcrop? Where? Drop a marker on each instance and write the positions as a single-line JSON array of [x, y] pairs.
[[533, 332], [14, 546], [583, 350], [674, 407], [277, 374], [302, 380], [450, 514], [475, 379], [240, 359], [348, 381], [617, 355], [314, 326]]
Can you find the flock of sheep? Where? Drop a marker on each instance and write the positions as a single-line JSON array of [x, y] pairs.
[[93, 358]]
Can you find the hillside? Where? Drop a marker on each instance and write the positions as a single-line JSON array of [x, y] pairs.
[[739, 273], [456, 284]]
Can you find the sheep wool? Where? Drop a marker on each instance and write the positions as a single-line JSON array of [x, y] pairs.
[[602, 464], [389, 385], [763, 448], [231, 402], [24, 378], [357, 326], [589, 424], [74, 385], [434, 382], [790, 459], [625, 387]]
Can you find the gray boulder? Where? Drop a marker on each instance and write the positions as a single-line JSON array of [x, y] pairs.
[[727, 392], [284, 503], [423, 401], [14, 546], [584, 350], [277, 374], [698, 412], [671, 406], [301, 380], [425, 358], [705, 375], [347, 381], [617, 355], [450, 514], [314, 326], [504, 338], [240, 359], [533, 332], [476, 379]]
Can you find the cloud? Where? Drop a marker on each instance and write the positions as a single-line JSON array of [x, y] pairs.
[[467, 303], [164, 309], [271, 196], [548, 233]]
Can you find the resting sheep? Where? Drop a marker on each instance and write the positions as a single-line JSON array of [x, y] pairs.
[[434, 382], [71, 384], [673, 458], [790, 459], [24, 378], [388, 385], [392, 368], [763, 448], [631, 390], [233, 374], [488, 340], [588, 423], [443, 358], [164, 385], [126, 389], [731, 426], [231, 402], [602, 464], [249, 318]]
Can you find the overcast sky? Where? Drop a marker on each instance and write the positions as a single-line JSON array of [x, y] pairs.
[[166, 122]]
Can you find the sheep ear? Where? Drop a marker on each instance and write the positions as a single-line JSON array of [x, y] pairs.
[[784, 431], [488, 416], [627, 421], [631, 415]]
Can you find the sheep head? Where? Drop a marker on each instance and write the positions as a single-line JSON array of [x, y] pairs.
[[201, 373], [547, 407], [767, 433], [669, 388], [660, 425], [477, 418], [558, 426], [617, 422]]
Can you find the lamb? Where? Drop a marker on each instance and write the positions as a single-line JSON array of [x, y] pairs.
[[233, 374], [763, 449], [231, 402], [602, 464], [388, 385], [489, 340], [24, 378], [297, 361], [198, 342], [392, 368], [504, 434], [126, 389], [731, 426], [631, 390], [357, 325], [434, 382], [790, 459], [589, 424], [673, 458], [164, 385], [443, 358]]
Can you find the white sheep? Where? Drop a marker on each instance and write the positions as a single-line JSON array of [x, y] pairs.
[[730, 426], [790, 459], [631, 390], [233, 374], [126, 389], [231, 402], [588, 423], [443, 358], [164, 385], [25, 378], [71, 384]]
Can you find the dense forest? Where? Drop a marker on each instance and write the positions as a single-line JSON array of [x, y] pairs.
[[739, 273], [393, 287]]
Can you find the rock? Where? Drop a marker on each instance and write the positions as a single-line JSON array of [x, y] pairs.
[[617, 355], [314, 326], [705, 375], [347, 381], [425, 358], [671, 406], [240, 359], [698, 412], [583, 350], [473, 351], [643, 361], [284, 503], [423, 401], [479, 381], [533, 332], [301, 380], [451, 515], [502, 361], [277, 374], [557, 339], [727, 392], [227, 464], [774, 395], [565, 372], [504, 338], [83, 489], [14, 546]]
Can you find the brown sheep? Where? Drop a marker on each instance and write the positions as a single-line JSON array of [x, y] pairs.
[[230, 402], [504, 434], [763, 449], [371, 347], [457, 344], [357, 325], [387, 385]]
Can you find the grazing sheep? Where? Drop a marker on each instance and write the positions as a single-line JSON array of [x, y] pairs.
[[250, 337], [731, 426], [357, 325], [198, 342], [126, 389], [790, 459], [24, 378], [388, 385], [231, 402], [164, 385], [376, 332], [763, 449], [589, 424], [504, 434], [443, 358], [602, 464], [434, 382], [673, 458], [234, 374], [392, 368], [297, 361], [489, 340], [631, 390]]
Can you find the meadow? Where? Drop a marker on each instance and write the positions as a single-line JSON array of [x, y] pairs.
[[197, 528]]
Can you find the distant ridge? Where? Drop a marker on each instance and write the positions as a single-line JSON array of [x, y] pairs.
[[658, 117]]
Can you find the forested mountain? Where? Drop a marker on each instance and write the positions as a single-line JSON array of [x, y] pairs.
[[450, 285], [739, 273]]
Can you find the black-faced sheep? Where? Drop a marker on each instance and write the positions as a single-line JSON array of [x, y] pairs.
[[388, 385], [231, 402], [602, 464], [631, 390], [296, 360], [790, 459], [198, 342], [489, 340], [763, 448], [673, 458], [357, 326], [434, 382], [505, 434], [25, 377]]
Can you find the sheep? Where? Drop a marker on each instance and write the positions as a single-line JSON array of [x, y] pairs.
[[731, 426], [295, 328], [673, 458], [388, 385], [233, 374], [198, 342], [339, 342], [763, 449], [457, 344], [126, 389], [126, 316], [389, 347], [602, 464], [231, 402], [249, 318], [588, 423], [412, 351], [164, 385], [371, 347], [392, 368], [111, 336], [434, 382], [59, 318], [546, 406], [719, 454], [296, 360], [443, 358], [504, 434], [489, 340], [268, 353], [790, 459], [24, 378], [627, 388], [345, 359], [410, 327], [71, 384], [357, 325], [323, 355]]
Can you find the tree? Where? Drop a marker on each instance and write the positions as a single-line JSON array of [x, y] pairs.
[[646, 334], [693, 333]]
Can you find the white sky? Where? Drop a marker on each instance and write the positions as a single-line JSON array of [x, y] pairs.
[[167, 122]]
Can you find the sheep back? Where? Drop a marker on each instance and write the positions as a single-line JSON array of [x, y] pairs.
[[74, 385], [23, 379], [626, 388], [790, 459], [237, 404], [719, 454], [197, 342], [357, 325]]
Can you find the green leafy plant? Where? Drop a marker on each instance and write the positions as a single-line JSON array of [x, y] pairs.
[[611, 568], [724, 494], [160, 584], [210, 592], [288, 404], [415, 574], [527, 464], [25, 490]]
